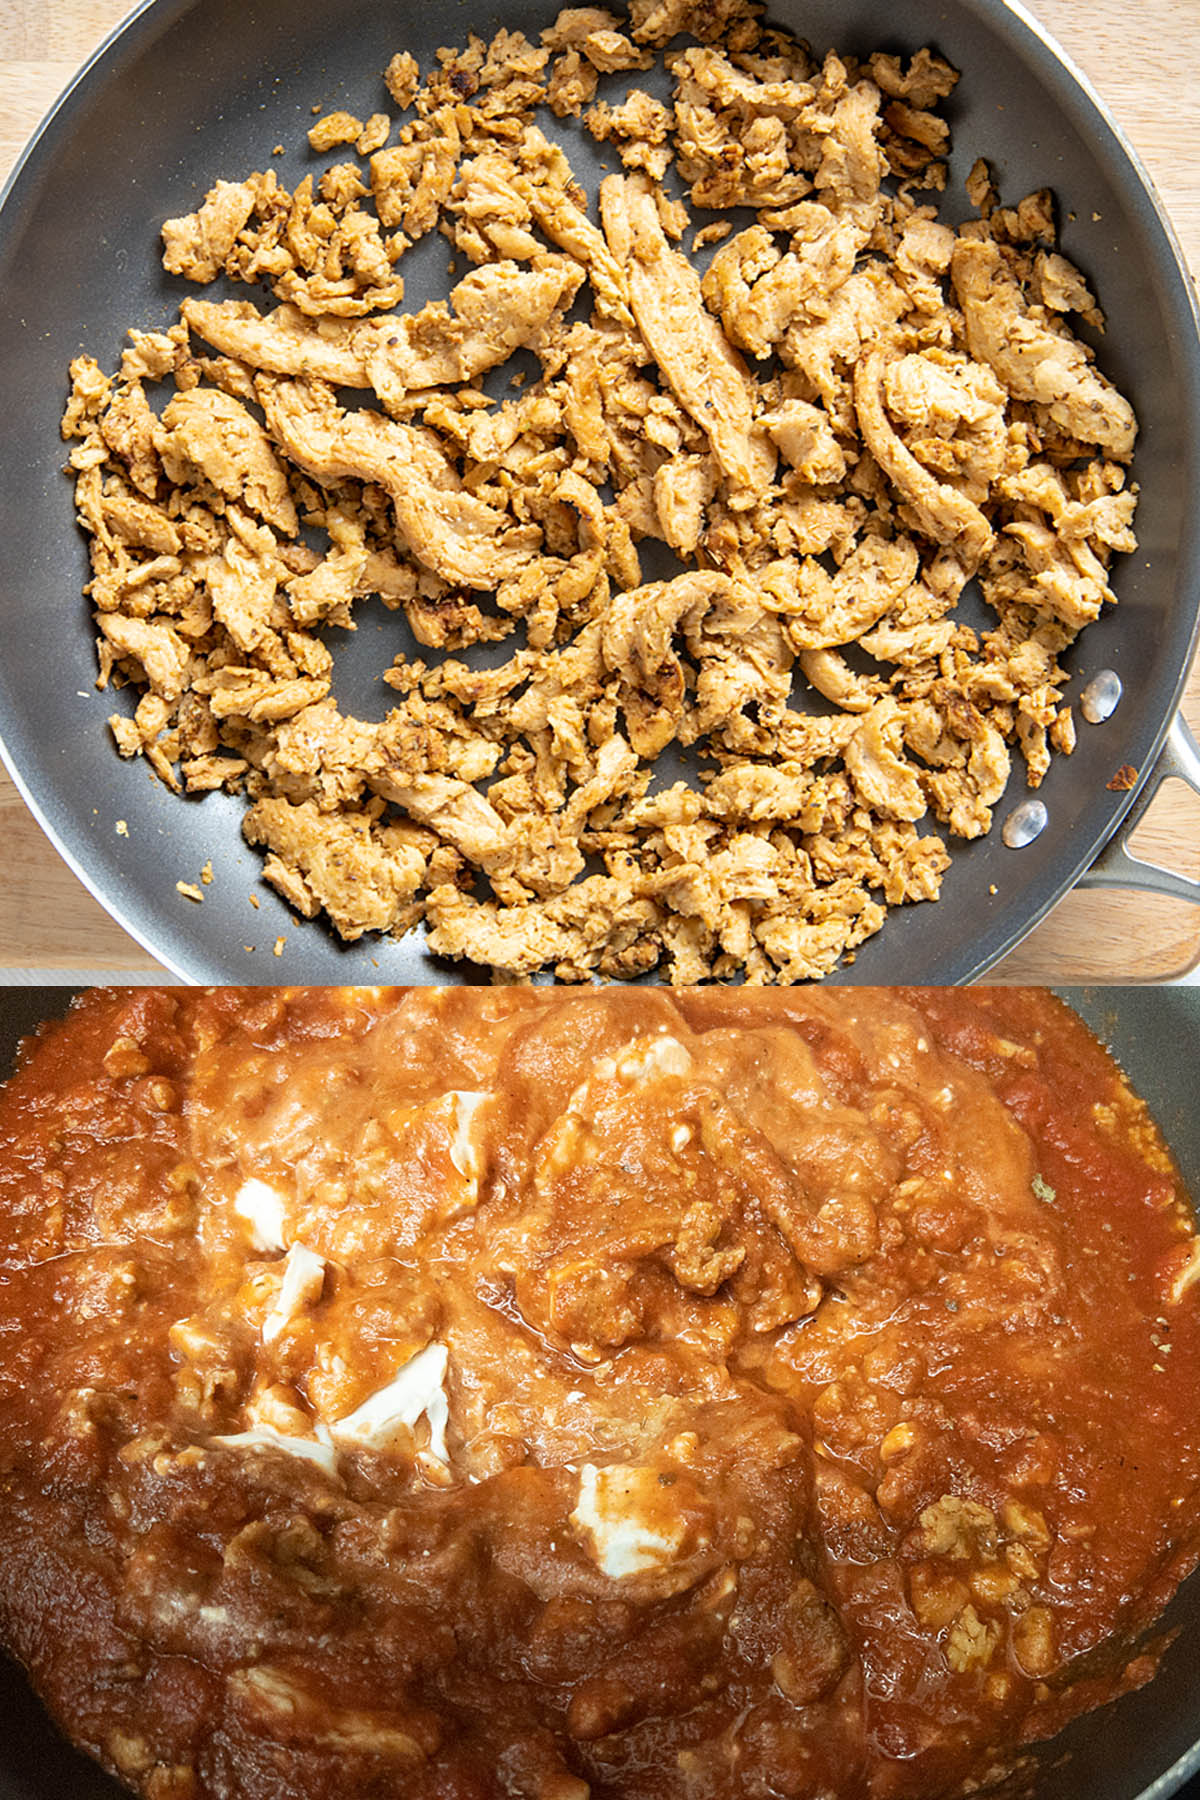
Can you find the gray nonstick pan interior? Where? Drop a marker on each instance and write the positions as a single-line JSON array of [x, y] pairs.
[[1143, 1748], [192, 90]]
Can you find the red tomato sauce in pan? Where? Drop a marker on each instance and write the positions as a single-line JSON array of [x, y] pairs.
[[623, 1394]]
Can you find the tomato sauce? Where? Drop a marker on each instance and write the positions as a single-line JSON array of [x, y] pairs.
[[628, 1394]]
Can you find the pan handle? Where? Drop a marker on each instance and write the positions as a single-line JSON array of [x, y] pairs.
[[1116, 866]]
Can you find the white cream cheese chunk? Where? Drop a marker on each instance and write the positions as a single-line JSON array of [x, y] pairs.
[[662, 1056], [417, 1392], [317, 1450], [621, 1515], [303, 1280], [645, 1061], [262, 1208], [465, 1153], [1188, 1274]]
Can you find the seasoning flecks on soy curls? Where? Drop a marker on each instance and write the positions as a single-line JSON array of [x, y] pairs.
[[850, 413]]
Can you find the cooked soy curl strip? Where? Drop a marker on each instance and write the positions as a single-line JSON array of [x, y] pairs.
[[850, 413]]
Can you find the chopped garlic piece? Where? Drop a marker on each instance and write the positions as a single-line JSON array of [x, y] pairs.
[[262, 1209], [417, 1392], [319, 1450], [303, 1279], [611, 1511]]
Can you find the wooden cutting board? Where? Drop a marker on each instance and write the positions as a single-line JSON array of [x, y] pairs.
[[1139, 59]]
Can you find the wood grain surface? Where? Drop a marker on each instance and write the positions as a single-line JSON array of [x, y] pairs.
[[1140, 59]]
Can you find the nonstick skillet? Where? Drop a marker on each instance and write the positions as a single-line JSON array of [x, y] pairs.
[[192, 89], [1145, 1747]]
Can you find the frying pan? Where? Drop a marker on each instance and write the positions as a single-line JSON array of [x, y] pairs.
[[1145, 1747], [188, 90]]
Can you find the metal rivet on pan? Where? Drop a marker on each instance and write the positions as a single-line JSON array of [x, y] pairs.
[[1101, 696], [1024, 823]]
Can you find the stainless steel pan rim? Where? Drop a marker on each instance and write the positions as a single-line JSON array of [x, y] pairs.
[[1175, 754], [916, 944]]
